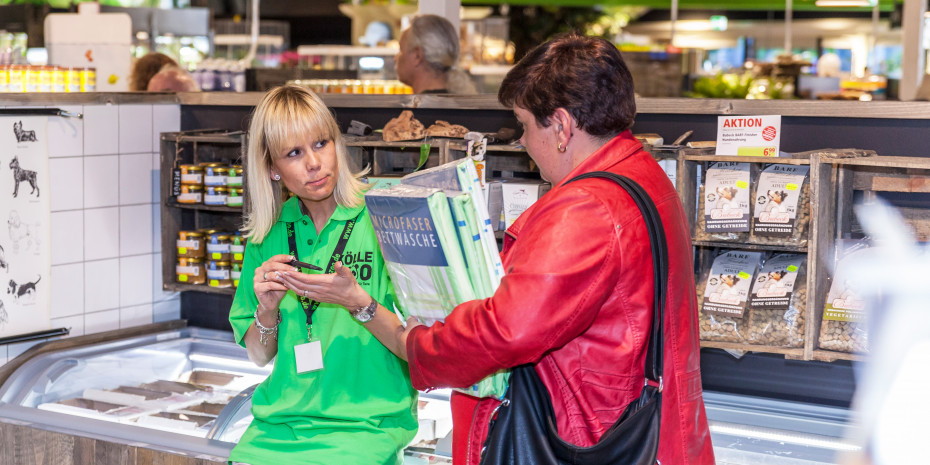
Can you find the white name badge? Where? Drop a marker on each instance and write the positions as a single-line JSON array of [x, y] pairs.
[[309, 357]]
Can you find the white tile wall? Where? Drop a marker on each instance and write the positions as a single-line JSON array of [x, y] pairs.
[[101, 178], [165, 118], [74, 323], [67, 290], [135, 280], [67, 237], [101, 321], [135, 179], [135, 128], [101, 233], [101, 129], [66, 135], [135, 316], [101, 285], [106, 219], [66, 179], [136, 230]]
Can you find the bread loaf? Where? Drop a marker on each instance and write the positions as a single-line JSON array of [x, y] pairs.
[[404, 127], [443, 129]]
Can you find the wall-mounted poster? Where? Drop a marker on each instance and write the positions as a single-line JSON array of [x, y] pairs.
[[25, 249]]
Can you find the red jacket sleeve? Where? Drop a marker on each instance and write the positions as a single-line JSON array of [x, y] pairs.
[[551, 292]]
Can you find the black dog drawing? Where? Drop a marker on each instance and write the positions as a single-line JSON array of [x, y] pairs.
[[21, 290], [21, 135], [3, 263], [3, 316], [20, 175]]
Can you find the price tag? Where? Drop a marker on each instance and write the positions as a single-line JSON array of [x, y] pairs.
[[757, 136]]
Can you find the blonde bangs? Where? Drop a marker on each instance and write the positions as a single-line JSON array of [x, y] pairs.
[[290, 120]]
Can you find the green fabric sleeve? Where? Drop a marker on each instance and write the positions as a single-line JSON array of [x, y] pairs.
[[242, 312]]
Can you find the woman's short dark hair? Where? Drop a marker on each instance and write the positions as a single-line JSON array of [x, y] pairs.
[[584, 75]]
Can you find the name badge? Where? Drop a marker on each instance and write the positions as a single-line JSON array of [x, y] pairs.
[[309, 357]]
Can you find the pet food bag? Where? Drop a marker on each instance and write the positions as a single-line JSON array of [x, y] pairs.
[[723, 296], [782, 206], [844, 328], [778, 302], [724, 202]]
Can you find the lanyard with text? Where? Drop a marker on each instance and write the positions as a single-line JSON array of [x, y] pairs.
[[310, 306]]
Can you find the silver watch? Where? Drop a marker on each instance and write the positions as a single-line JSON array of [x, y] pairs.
[[366, 313]]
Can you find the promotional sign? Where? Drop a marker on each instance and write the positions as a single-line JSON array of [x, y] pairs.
[[757, 136], [25, 260]]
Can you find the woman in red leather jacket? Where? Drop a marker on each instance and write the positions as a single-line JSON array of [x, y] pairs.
[[577, 296]]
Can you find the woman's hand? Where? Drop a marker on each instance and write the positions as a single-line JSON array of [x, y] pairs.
[[268, 289], [338, 288]]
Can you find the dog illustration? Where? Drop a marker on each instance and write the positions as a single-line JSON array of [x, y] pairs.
[[775, 200], [3, 315], [772, 286], [20, 175], [725, 196], [23, 290], [21, 135], [4, 265], [24, 235], [725, 293]]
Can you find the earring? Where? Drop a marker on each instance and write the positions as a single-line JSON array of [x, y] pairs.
[[276, 177], [561, 150]]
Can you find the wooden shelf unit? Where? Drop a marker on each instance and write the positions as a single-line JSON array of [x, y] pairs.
[[193, 147]]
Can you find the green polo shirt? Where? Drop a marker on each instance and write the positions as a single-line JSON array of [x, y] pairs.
[[360, 408]]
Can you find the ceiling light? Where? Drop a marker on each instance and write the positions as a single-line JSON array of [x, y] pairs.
[[845, 3]]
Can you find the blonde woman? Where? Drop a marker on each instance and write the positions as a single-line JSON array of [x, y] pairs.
[[428, 55], [335, 394]]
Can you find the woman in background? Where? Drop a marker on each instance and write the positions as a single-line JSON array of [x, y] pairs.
[[335, 394], [428, 55], [146, 67]]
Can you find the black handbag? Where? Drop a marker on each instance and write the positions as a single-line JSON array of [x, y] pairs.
[[524, 431]]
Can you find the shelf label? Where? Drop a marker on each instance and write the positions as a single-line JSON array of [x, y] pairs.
[[758, 136]]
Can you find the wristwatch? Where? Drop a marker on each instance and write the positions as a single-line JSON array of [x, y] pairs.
[[365, 314]]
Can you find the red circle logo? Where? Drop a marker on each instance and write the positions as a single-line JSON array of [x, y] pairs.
[[768, 133]]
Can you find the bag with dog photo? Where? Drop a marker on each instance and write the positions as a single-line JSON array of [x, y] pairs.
[[778, 302], [782, 204], [723, 296], [724, 202]]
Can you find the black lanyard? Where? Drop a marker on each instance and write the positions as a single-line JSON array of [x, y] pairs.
[[310, 306]]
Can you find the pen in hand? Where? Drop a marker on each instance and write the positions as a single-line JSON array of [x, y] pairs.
[[299, 264]]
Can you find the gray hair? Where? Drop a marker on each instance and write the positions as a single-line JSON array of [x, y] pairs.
[[439, 40]]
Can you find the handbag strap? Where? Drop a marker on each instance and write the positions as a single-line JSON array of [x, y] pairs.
[[657, 242]]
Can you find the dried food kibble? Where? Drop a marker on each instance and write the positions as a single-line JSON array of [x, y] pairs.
[[723, 295], [782, 206], [778, 305], [723, 210]]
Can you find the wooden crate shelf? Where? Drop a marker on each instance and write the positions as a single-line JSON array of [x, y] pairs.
[[792, 351], [181, 287], [750, 246]]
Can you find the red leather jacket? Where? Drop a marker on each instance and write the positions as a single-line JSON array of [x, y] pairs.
[[576, 300]]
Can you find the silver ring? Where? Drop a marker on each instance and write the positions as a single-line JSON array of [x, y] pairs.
[[265, 276], [306, 293]]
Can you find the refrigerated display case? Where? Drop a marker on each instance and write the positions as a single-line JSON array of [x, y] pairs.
[[176, 390]]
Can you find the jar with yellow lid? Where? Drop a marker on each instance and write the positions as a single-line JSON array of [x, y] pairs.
[[190, 193], [234, 196], [218, 246], [237, 247], [190, 271], [59, 81], [191, 174], [234, 176], [89, 80], [235, 273], [72, 79], [214, 174], [191, 244], [219, 273], [215, 195]]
